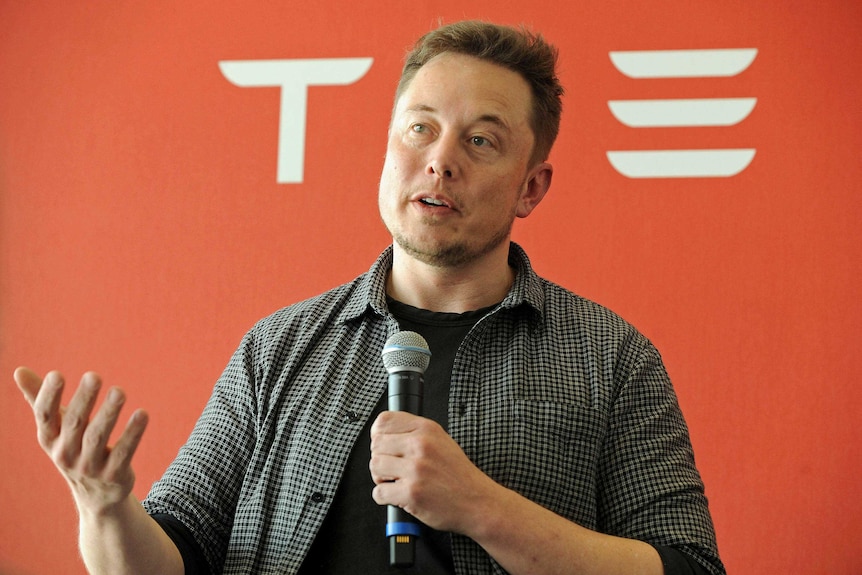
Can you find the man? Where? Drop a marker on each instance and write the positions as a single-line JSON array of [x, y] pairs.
[[553, 442]]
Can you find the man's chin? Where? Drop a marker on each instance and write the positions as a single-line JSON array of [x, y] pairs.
[[435, 254], [441, 255]]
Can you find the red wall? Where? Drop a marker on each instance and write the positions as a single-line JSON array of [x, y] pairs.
[[142, 229]]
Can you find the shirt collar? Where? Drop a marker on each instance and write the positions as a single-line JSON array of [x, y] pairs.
[[369, 290], [528, 288]]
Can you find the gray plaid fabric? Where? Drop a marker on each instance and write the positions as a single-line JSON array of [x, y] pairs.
[[551, 395]]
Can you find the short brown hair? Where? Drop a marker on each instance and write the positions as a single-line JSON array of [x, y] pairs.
[[517, 49]]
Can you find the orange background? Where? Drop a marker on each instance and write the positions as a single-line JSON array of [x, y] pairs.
[[142, 230]]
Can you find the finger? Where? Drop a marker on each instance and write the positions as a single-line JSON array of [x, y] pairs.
[[95, 440], [397, 493], [28, 382], [403, 434], [385, 468], [389, 445], [46, 408], [390, 422], [397, 422], [381, 494], [76, 417], [120, 459]]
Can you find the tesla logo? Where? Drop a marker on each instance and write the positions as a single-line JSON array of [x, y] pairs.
[[682, 113], [293, 77]]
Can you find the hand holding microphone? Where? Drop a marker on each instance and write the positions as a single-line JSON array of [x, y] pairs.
[[416, 465]]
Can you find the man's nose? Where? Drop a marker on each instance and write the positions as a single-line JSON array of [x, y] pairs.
[[443, 160]]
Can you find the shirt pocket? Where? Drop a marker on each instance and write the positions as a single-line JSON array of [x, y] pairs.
[[553, 455]]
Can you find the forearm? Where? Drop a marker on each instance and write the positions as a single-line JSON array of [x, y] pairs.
[[125, 541], [527, 539]]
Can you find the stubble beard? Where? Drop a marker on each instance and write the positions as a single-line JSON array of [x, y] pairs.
[[453, 254]]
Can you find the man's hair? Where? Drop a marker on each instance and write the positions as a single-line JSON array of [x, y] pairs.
[[517, 49]]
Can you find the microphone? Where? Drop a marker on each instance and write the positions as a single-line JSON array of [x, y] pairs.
[[406, 357]]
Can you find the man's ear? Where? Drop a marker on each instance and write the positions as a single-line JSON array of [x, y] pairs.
[[535, 188]]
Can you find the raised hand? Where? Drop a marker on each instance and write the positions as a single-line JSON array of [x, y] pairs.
[[100, 475]]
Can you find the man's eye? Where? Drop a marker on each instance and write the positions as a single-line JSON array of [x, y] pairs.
[[479, 141], [418, 128]]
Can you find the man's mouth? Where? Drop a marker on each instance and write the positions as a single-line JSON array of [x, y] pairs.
[[433, 202]]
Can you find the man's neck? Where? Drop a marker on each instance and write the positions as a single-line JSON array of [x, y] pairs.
[[479, 284]]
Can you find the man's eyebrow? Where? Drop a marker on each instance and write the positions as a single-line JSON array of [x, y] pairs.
[[493, 119], [484, 118], [421, 108]]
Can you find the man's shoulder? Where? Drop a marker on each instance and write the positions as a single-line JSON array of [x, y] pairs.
[[308, 322], [571, 316], [562, 300], [321, 307], [562, 310], [341, 303]]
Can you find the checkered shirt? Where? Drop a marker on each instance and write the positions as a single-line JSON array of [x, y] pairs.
[[551, 395]]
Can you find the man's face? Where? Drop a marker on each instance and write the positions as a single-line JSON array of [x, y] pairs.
[[456, 169]]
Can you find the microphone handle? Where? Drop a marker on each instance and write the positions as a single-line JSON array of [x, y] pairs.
[[405, 394], [405, 391]]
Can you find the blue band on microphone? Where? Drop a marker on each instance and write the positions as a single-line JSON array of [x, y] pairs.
[[398, 347], [404, 528]]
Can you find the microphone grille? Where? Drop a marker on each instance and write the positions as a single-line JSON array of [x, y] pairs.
[[406, 349]]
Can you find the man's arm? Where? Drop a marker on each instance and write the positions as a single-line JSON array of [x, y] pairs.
[[117, 537], [417, 466], [125, 540]]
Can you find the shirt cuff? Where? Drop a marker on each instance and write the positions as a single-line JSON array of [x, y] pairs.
[[678, 562], [193, 556]]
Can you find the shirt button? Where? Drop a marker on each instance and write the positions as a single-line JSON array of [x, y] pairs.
[[317, 497], [352, 416]]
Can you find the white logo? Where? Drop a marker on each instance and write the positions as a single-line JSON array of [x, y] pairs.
[[294, 77], [682, 113]]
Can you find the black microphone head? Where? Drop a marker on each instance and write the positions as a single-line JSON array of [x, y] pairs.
[[406, 351]]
